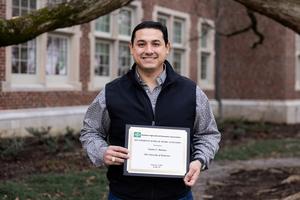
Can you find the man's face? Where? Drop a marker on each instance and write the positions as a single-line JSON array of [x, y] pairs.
[[149, 49]]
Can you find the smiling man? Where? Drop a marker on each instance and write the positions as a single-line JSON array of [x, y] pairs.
[[150, 94]]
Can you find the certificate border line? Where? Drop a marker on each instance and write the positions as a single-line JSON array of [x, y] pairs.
[[154, 173]]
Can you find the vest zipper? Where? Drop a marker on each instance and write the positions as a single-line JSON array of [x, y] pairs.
[[149, 104]]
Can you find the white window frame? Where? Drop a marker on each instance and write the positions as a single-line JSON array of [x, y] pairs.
[[132, 10], [98, 82], [57, 80], [297, 62], [171, 16], [40, 81], [209, 83], [99, 79]]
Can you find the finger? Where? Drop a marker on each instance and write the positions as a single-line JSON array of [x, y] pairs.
[[188, 176], [120, 149], [119, 161], [121, 155], [191, 177]]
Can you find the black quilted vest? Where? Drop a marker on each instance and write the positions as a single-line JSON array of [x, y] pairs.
[[128, 103]]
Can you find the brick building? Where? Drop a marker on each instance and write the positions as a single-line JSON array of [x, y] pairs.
[[50, 80]]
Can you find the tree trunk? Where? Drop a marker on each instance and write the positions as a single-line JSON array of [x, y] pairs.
[[21, 29], [286, 12]]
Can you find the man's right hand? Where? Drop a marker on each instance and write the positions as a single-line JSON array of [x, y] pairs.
[[115, 155]]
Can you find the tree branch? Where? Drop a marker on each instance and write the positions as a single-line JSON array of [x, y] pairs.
[[286, 12], [21, 29], [252, 26]]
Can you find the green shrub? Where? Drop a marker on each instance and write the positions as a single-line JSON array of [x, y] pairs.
[[11, 147]]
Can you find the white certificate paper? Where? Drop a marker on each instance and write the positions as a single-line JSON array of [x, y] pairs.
[[157, 151]]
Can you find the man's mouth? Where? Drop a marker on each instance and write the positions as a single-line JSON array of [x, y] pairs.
[[149, 57]]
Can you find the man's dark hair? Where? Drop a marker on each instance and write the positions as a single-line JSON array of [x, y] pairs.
[[151, 24]]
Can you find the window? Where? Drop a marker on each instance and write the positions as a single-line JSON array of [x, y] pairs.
[[43, 63], [178, 60], [297, 47], [110, 45], [204, 65], [103, 24], [55, 2], [124, 58], [125, 21], [178, 31], [102, 58], [24, 58], [23, 55], [20, 8], [163, 19], [178, 24], [57, 55], [206, 54]]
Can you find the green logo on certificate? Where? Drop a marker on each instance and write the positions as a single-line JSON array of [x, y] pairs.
[[137, 134]]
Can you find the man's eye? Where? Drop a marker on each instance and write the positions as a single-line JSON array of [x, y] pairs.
[[156, 44], [141, 45]]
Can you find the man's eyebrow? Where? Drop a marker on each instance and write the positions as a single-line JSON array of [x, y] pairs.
[[155, 41], [141, 40]]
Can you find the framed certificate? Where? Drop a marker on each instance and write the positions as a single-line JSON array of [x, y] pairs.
[[157, 151]]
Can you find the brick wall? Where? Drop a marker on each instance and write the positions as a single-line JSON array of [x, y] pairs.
[[259, 73], [2, 50], [17, 100], [200, 9], [242, 76]]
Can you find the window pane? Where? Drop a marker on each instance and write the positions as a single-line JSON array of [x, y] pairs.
[[204, 35], [204, 65], [24, 58], [57, 55], [102, 59], [103, 24], [124, 58], [16, 3], [177, 60], [298, 68], [32, 4], [54, 2], [164, 19], [15, 12], [178, 32], [16, 8], [24, 3], [125, 22], [22, 7]]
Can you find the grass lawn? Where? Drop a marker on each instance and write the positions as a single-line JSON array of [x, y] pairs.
[[88, 185], [92, 184], [261, 149]]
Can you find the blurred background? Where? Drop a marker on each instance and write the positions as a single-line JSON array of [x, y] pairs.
[[247, 64]]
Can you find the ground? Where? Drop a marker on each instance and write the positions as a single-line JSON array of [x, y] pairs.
[[262, 179], [272, 178]]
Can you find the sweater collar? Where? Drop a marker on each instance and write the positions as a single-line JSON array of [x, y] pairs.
[[167, 76]]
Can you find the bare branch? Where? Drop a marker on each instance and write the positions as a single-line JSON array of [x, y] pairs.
[[252, 26], [286, 12]]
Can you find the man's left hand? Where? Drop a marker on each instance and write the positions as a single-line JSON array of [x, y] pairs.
[[193, 173]]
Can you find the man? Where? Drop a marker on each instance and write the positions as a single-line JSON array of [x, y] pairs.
[[151, 93]]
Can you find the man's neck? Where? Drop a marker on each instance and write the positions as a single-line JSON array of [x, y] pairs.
[[149, 76]]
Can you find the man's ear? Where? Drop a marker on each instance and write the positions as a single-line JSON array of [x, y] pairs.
[[168, 47], [130, 45]]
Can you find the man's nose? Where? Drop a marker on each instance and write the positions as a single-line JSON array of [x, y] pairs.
[[149, 48]]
